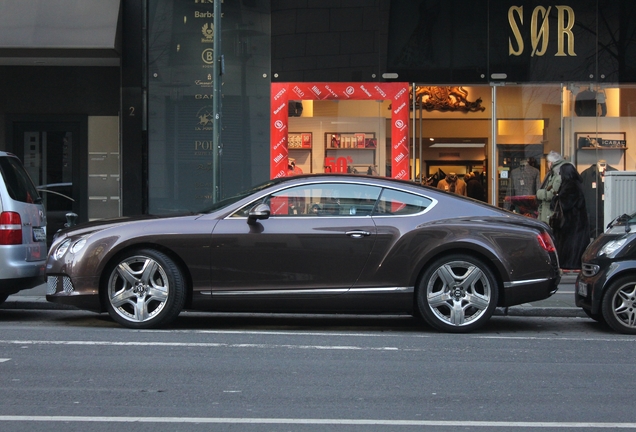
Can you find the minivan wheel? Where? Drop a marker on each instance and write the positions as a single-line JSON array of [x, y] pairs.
[[619, 305], [145, 289], [457, 294]]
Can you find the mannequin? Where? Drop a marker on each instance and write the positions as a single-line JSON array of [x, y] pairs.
[[452, 183], [292, 169], [524, 180], [594, 191]]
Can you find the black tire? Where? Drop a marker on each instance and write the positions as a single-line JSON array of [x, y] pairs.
[[457, 294], [598, 317], [3, 298], [619, 305], [144, 289]]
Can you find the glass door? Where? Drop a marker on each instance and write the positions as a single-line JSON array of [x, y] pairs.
[[46, 150], [451, 136]]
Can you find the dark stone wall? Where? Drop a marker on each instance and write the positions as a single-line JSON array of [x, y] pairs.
[[329, 40]]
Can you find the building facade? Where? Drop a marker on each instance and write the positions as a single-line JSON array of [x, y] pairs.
[[158, 106]]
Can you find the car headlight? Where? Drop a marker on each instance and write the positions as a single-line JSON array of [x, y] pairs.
[[69, 244], [78, 245], [61, 249], [612, 247]]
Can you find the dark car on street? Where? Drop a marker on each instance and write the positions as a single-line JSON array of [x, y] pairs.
[[606, 286], [311, 244]]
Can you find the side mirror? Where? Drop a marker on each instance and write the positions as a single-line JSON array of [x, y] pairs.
[[258, 212]]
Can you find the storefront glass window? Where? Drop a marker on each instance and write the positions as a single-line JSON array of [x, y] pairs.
[[528, 127], [339, 136], [181, 59], [452, 138], [599, 124]]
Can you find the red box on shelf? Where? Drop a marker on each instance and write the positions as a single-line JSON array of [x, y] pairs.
[[306, 140], [360, 140]]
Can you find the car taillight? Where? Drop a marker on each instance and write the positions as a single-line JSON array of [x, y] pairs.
[[10, 228], [545, 241]]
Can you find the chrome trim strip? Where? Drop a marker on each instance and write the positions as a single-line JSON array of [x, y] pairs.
[[524, 282], [382, 289], [279, 292], [311, 291]]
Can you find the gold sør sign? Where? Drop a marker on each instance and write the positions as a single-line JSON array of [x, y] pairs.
[[540, 30]]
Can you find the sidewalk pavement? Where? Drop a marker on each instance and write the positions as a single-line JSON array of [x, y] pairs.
[[561, 304]]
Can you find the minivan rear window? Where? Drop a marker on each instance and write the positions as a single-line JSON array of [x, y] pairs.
[[17, 181]]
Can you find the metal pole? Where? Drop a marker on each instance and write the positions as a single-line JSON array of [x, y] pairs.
[[217, 73]]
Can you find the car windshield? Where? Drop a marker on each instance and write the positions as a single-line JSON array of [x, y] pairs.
[[231, 200]]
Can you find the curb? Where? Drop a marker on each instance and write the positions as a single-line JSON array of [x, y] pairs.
[[34, 303], [557, 312]]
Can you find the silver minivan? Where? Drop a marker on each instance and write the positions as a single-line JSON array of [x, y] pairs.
[[22, 229]]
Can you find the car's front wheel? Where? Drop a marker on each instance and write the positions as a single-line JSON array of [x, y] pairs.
[[457, 294], [144, 289], [619, 305]]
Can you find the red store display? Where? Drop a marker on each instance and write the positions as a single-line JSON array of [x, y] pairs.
[[397, 93]]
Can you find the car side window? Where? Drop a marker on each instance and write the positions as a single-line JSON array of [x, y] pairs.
[[330, 199], [17, 181], [394, 202]]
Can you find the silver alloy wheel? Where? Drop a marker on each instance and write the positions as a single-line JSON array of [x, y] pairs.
[[138, 289], [458, 293], [623, 307]]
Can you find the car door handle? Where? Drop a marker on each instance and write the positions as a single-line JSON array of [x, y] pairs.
[[358, 234]]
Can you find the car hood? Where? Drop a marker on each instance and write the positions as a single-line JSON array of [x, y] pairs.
[[103, 224]]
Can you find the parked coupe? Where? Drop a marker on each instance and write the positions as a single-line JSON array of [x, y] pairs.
[[310, 243], [606, 286]]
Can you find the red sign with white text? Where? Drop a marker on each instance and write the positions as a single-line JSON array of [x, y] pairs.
[[397, 93]]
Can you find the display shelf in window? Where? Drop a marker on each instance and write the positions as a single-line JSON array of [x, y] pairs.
[[600, 140], [351, 152], [299, 140], [361, 141], [606, 146], [300, 150]]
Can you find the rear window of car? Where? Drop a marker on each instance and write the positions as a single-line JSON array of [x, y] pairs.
[[398, 203], [17, 181]]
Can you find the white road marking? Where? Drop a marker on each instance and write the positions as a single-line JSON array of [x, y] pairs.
[[616, 338], [288, 346], [198, 345], [3, 360], [229, 420]]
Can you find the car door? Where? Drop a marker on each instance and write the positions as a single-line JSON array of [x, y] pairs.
[[318, 237]]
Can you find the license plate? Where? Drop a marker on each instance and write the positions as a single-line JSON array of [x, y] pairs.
[[582, 289], [39, 234]]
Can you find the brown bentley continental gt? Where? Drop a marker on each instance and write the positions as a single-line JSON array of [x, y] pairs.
[[310, 244]]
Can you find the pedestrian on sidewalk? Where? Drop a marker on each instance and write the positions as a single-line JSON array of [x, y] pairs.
[[550, 186], [573, 237]]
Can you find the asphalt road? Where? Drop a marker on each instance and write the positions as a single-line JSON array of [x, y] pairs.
[[74, 370]]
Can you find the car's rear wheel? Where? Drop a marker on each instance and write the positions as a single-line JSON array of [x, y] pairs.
[[619, 305], [457, 294], [145, 289]]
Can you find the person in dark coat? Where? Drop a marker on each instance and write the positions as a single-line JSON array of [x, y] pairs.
[[474, 188], [574, 235]]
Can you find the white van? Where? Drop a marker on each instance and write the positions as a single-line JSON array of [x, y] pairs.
[[22, 229]]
